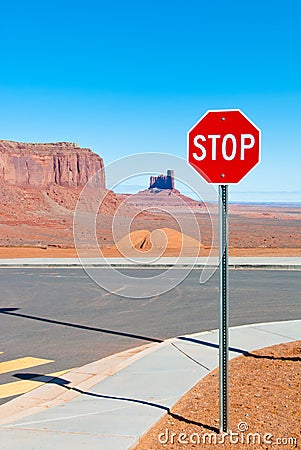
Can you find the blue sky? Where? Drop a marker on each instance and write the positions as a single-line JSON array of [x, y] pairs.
[[131, 77]]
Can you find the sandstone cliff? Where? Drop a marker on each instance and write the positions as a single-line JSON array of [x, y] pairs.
[[40, 165]]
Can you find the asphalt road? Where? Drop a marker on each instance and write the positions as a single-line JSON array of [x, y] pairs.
[[61, 315]]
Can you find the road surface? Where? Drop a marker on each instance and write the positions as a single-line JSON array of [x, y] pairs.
[[56, 319]]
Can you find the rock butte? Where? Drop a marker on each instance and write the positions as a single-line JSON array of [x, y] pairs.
[[40, 165], [163, 181]]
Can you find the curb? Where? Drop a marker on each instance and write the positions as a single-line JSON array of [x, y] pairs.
[[83, 378], [78, 379], [144, 265], [134, 445]]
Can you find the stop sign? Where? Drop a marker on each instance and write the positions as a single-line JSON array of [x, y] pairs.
[[223, 146]]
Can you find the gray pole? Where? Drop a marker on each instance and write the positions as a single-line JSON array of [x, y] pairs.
[[224, 310]]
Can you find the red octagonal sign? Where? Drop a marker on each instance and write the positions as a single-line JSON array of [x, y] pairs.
[[223, 146]]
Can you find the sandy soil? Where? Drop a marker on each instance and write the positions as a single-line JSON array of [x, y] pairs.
[[33, 217], [40, 224], [265, 398], [53, 252]]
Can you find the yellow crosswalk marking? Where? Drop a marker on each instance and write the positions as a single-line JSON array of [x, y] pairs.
[[21, 387], [22, 363]]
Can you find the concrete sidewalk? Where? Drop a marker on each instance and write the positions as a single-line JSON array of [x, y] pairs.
[[109, 404], [234, 262]]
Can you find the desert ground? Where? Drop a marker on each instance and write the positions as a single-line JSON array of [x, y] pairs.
[[39, 223], [254, 230], [265, 398]]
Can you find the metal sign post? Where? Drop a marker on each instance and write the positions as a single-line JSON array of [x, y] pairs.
[[223, 147], [224, 311]]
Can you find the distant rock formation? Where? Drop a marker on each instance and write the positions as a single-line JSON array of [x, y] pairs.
[[40, 165], [163, 181]]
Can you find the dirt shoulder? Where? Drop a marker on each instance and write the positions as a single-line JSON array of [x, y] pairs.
[[265, 406], [53, 252]]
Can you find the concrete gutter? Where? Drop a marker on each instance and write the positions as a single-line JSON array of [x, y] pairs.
[[253, 262]]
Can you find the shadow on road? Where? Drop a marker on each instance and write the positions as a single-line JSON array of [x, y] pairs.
[[12, 312]]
